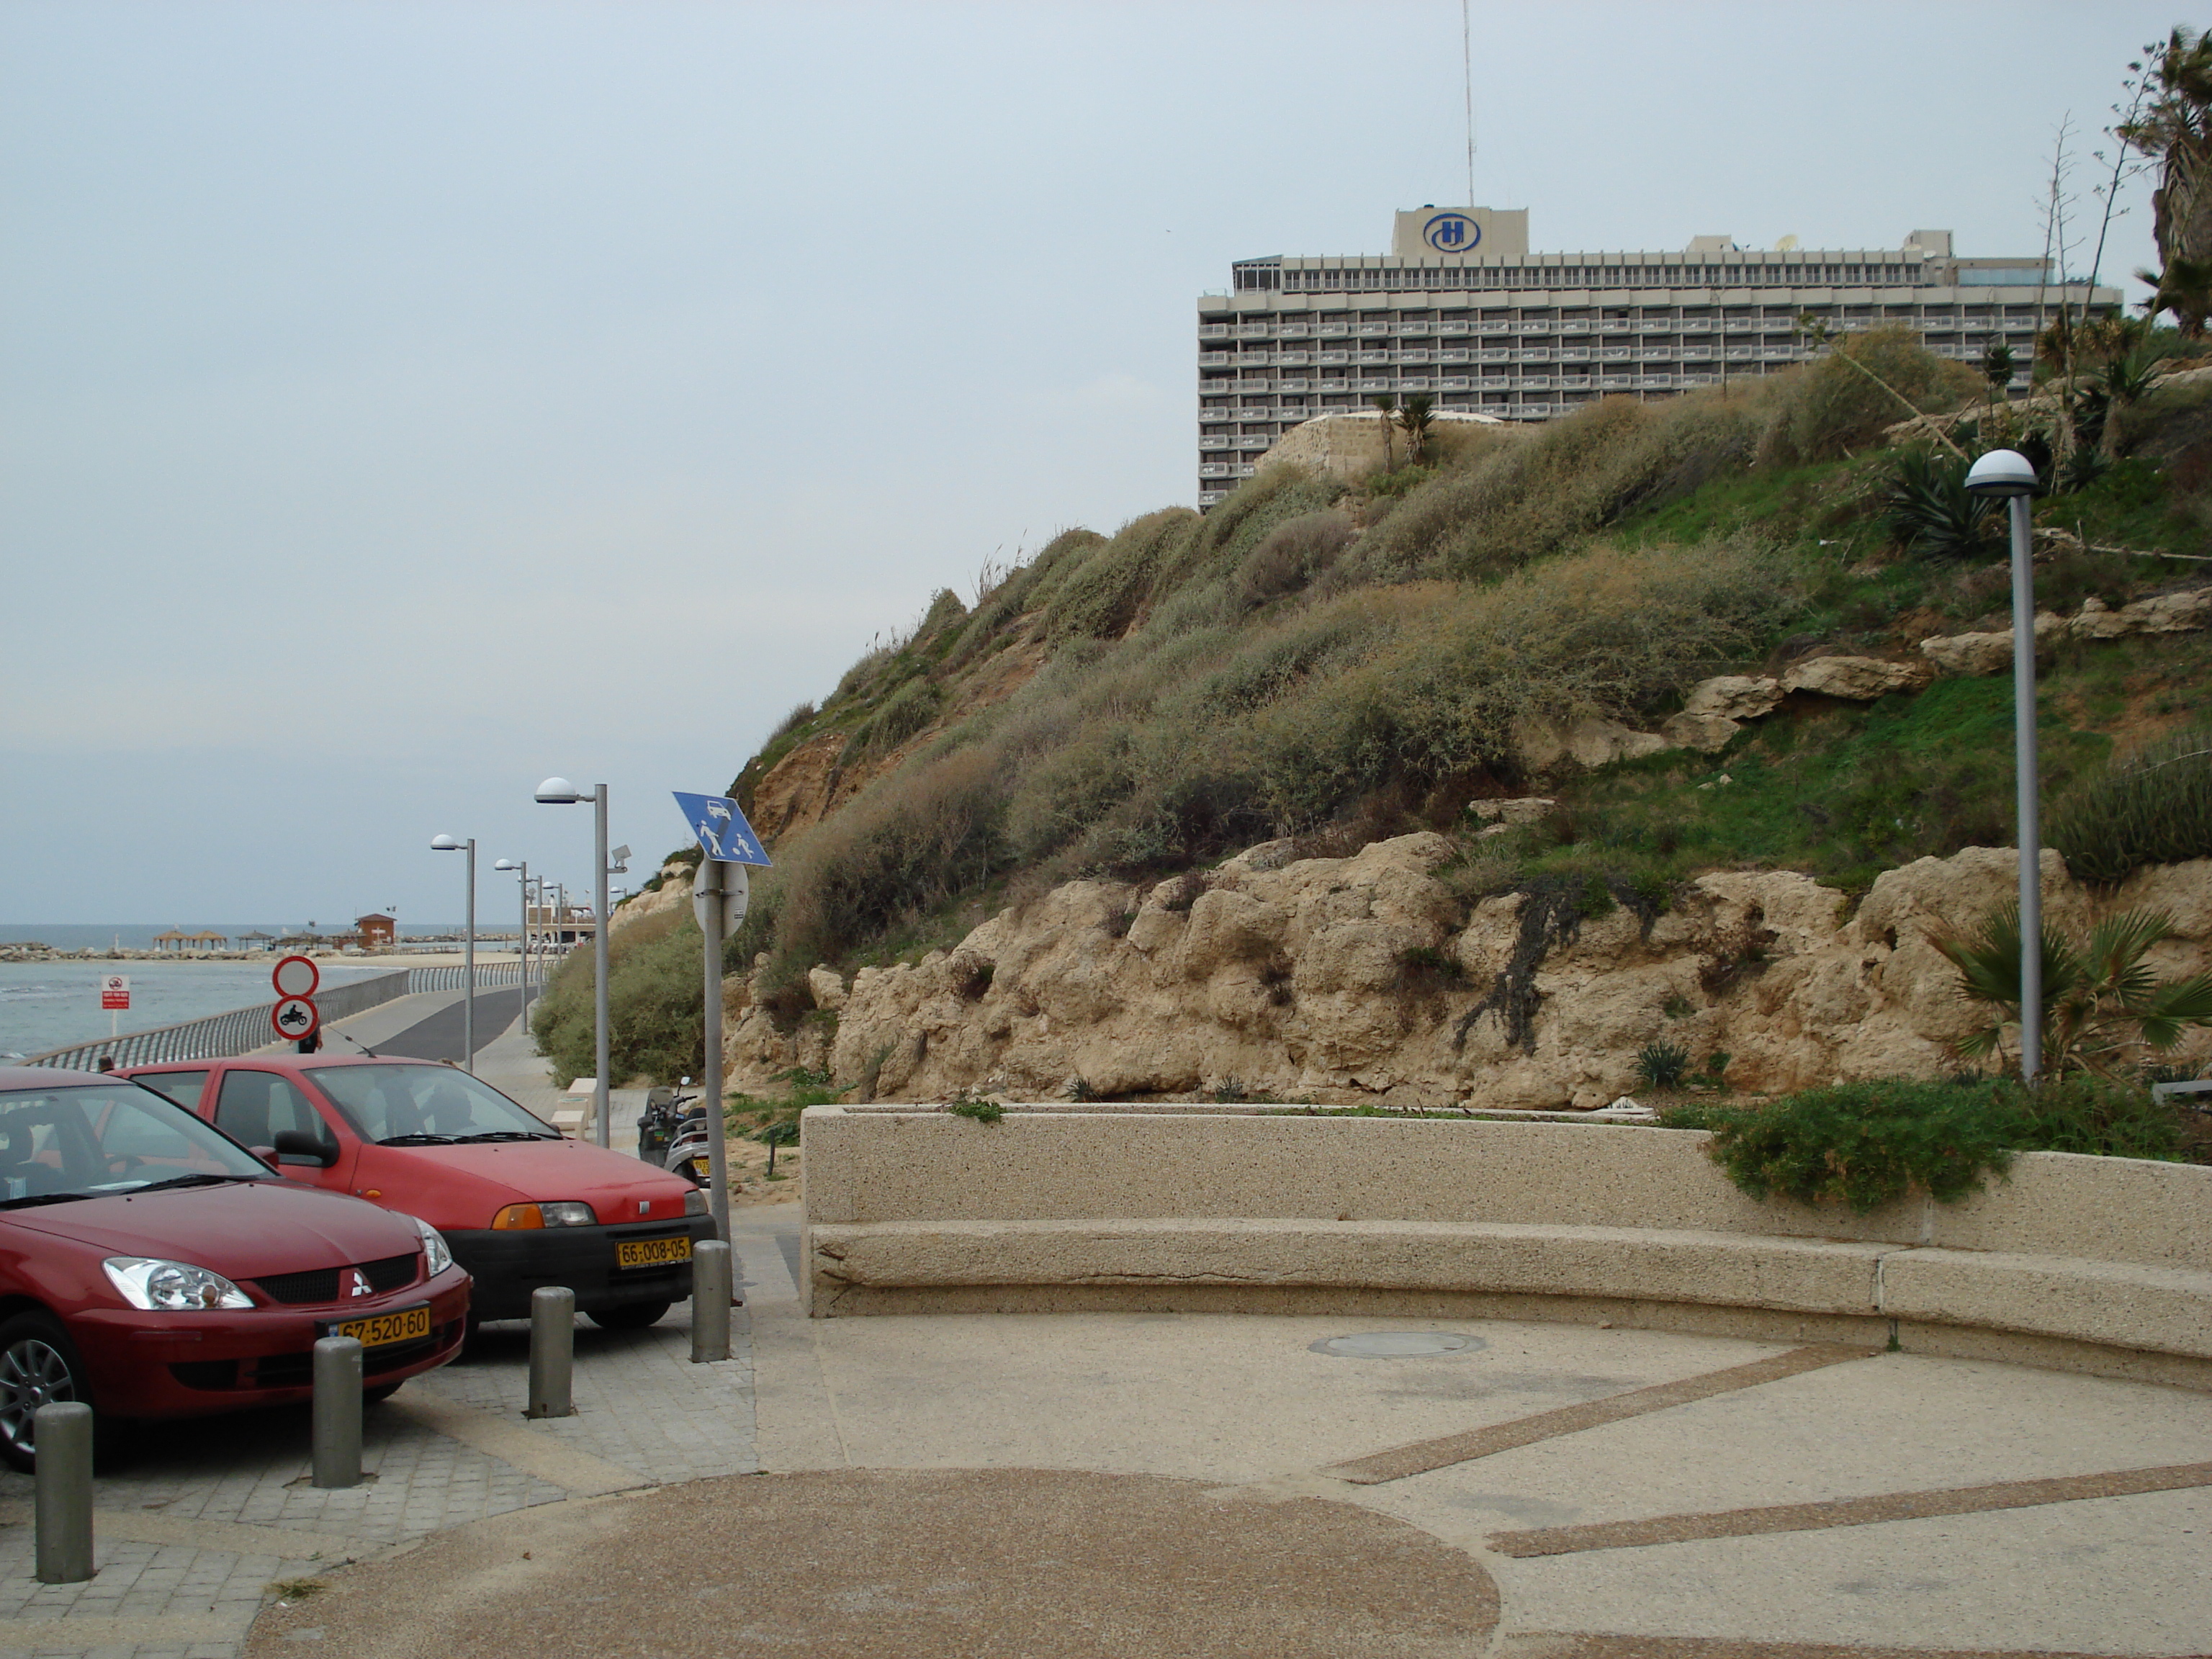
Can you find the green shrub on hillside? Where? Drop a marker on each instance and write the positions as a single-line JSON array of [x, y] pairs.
[[1865, 1144], [1523, 499], [909, 709], [1930, 511], [2153, 808], [657, 1019], [1099, 597], [1844, 400], [1292, 555]]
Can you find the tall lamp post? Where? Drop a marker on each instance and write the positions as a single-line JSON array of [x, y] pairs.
[[559, 791], [447, 844], [522, 881], [2008, 476]]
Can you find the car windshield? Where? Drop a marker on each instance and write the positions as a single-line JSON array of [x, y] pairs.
[[424, 1105], [91, 1139]]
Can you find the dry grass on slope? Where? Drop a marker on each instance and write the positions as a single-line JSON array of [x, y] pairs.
[[1171, 748]]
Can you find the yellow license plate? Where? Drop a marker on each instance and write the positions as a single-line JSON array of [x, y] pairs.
[[652, 1252], [702, 1167], [381, 1330]]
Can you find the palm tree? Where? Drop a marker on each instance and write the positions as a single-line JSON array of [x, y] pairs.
[[2174, 128], [1386, 403], [2098, 1000], [1414, 417]]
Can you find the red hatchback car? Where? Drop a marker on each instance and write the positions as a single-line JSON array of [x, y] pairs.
[[152, 1268], [519, 1204]]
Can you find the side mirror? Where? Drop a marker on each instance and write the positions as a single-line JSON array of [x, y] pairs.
[[683, 1082], [298, 1146]]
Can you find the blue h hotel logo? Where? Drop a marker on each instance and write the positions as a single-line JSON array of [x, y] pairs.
[[1452, 232]]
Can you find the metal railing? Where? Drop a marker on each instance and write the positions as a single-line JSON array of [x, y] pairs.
[[242, 1030]]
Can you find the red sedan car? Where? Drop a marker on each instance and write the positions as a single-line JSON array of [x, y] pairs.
[[152, 1268], [519, 1205]]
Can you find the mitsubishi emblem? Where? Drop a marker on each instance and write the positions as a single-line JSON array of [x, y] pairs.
[[357, 1283]]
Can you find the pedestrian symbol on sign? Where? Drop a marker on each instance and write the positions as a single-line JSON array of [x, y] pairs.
[[720, 825]]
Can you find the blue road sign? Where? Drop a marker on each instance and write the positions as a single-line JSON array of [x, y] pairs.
[[720, 824]]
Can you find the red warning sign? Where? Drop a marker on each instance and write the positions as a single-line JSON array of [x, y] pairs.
[[296, 1017]]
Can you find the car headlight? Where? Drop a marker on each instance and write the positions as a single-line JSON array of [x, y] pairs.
[[172, 1286], [563, 1212], [437, 1255], [695, 1201]]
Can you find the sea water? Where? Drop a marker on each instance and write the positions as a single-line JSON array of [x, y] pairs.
[[52, 1005]]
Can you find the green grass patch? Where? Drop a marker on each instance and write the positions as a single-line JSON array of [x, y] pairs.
[[1841, 793]]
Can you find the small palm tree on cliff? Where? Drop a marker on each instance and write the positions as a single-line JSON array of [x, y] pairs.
[[1415, 416], [1386, 404], [2100, 999]]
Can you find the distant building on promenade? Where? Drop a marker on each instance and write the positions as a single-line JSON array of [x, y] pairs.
[[377, 931], [1461, 309]]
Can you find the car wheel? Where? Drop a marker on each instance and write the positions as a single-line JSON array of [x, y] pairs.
[[377, 1394], [39, 1366], [630, 1317]]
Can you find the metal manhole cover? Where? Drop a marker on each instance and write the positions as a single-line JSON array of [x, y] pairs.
[[1398, 1345]]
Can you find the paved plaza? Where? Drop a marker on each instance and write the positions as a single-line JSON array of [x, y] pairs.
[[1163, 1484]]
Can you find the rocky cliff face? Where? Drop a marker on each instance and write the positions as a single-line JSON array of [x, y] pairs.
[[1352, 979]]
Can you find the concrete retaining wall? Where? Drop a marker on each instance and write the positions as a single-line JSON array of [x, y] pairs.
[[2086, 1263]]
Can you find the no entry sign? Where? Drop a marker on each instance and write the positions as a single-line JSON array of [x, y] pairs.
[[296, 1017], [296, 977], [114, 993]]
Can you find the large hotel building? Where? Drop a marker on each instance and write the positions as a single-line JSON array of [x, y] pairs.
[[1459, 309]]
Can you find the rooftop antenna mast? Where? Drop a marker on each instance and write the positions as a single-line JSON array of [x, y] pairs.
[[1467, 67]]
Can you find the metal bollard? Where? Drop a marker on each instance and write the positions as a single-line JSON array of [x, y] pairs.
[[552, 1352], [338, 1412], [710, 1302], [62, 1433]]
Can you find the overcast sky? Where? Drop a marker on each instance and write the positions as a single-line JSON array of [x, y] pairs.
[[403, 402]]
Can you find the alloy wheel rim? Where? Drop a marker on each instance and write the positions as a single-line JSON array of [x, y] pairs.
[[33, 1373]]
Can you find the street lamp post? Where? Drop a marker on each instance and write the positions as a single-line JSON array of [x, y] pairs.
[[522, 881], [447, 844], [2008, 476], [559, 791]]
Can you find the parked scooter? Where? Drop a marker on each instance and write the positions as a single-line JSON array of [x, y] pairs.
[[662, 1120], [688, 1155]]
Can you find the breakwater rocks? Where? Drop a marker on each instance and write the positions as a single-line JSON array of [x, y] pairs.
[[1343, 980]]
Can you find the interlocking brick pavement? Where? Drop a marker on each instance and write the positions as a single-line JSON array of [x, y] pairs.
[[195, 1523]]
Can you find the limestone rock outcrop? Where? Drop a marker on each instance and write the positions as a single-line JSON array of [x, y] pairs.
[[1363, 978], [1858, 679]]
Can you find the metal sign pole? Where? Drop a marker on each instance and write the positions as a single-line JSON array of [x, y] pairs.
[[2028, 789], [469, 1005], [711, 889], [600, 1105]]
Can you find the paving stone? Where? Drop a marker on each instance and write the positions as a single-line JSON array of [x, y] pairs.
[[641, 1405]]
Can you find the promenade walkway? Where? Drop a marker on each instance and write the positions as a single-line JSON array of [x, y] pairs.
[[1166, 1485]]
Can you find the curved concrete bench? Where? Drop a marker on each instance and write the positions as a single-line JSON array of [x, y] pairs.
[[914, 1210]]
